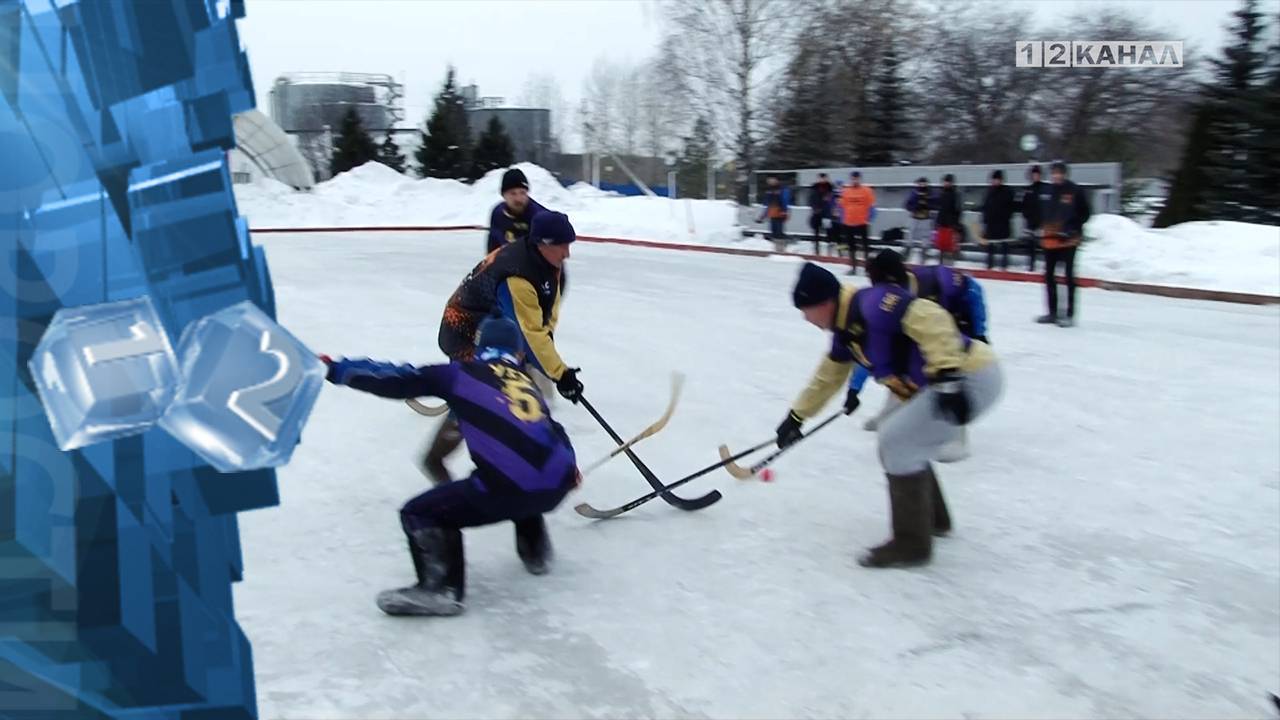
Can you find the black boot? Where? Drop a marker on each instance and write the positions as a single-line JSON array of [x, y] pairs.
[[447, 439], [441, 567], [911, 505], [941, 517], [533, 545]]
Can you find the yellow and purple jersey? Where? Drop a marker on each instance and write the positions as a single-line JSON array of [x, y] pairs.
[[505, 421], [900, 339]]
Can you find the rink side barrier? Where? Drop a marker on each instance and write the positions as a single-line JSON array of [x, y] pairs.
[[982, 273]]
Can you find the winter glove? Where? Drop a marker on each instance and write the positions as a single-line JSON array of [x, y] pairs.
[[570, 386], [851, 402], [330, 371], [952, 402], [789, 430], [982, 338]]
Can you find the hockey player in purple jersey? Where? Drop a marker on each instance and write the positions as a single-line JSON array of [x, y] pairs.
[[912, 347], [525, 464], [957, 293]]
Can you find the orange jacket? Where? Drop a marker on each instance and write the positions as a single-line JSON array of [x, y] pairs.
[[856, 203]]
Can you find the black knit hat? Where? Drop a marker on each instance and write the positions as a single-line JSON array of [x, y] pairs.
[[949, 178], [1035, 170], [815, 286], [551, 228], [887, 266], [997, 175], [514, 178]]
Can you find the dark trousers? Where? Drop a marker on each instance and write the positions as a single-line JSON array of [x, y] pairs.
[[1067, 256], [852, 234], [776, 228], [1033, 247], [998, 245], [815, 222], [466, 503]]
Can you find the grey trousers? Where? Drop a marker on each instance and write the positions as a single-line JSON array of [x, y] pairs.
[[913, 434]]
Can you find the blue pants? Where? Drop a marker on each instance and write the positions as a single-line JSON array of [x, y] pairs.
[[467, 503], [776, 227]]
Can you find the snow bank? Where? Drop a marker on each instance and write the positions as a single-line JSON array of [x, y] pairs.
[[1233, 256], [374, 194], [1212, 255]]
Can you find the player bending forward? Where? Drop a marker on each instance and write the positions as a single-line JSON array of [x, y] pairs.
[[523, 281], [912, 347], [525, 464], [957, 293]]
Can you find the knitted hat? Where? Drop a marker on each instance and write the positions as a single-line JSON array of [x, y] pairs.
[[499, 333], [551, 228], [949, 178], [514, 178], [997, 175], [887, 266], [815, 286], [1035, 170]]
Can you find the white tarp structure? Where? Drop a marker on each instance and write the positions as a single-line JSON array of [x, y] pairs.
[[267, 146]]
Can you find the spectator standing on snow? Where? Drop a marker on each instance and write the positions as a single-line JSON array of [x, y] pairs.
[[920, 205], [997, 209], [947, 221], [777, 207], [856, 201], [1061, 231], [1033, 200], [820, 195]]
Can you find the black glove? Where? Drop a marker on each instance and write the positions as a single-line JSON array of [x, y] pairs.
[[952, 402], [789, 430], [851, 402], [983, 338], [569, 385]]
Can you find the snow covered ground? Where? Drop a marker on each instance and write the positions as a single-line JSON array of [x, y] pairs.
[[1230, 256], [1117, 545], [375, 195]]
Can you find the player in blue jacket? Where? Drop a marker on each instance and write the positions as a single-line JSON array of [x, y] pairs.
[[525, 464]]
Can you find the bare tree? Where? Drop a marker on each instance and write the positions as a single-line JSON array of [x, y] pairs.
[[601, 93], [542, 90], [663, 117], [980, 103], [725, 56]]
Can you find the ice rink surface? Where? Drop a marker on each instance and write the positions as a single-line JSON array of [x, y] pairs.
[[1116, 551]]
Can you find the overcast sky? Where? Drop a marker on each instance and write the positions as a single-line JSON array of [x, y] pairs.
[[498, 43]]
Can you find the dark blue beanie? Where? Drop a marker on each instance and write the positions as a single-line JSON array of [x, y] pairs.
[[499, 333], [551, 228], [815, 286]]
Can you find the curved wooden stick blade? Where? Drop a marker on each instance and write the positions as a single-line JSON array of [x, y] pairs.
[[424, 409], [733, 468]]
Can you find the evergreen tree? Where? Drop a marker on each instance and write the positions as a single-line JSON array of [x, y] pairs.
[[445, 150], [353, 147], [493, 149], [1188, 189], [1264, 147], [802, 134], [1232, 128], [389, 154], [887, 139], [691, 168]]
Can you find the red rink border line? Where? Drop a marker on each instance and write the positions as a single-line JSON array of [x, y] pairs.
[[1005, 275]]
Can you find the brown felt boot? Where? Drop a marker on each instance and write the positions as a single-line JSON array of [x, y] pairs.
[[941, 517], [911, 506], [447, 439]]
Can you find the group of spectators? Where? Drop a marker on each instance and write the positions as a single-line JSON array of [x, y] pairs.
[[1054, 214]]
